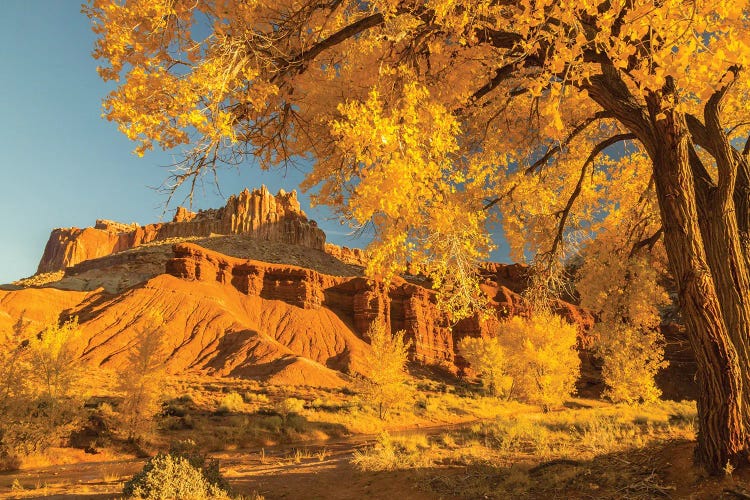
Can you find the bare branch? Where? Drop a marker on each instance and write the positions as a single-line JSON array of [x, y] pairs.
[[579, 185], [648, 242], [560, 146]]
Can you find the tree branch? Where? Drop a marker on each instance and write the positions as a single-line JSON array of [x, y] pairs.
[[648, 242], [560, 146], [579, 185], [724, 154]]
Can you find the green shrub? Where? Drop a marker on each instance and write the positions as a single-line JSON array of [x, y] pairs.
[[181, 473], [231, 403]]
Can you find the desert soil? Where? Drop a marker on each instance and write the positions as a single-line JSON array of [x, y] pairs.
[[320, 470]]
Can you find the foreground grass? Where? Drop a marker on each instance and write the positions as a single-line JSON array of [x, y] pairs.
[[448, 439], [540, 454]]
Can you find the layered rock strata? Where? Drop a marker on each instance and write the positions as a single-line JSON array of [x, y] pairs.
[[255, 213], [358, 301]]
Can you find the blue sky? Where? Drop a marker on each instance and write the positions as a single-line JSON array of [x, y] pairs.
[[62, 165]]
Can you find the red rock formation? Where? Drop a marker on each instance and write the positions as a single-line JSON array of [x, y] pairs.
[[359, 301], [257, 213], [353, 256]]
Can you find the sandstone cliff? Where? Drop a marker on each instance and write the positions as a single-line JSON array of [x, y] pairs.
[[268, 300], [360, 301], [256, 213]]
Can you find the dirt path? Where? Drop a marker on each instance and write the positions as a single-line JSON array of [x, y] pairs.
[[318, 470]]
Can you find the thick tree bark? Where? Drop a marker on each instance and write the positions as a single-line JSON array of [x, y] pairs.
[[719, 223], [707, 272], [722, 435]]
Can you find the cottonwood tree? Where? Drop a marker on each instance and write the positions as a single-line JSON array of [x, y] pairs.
[[425, 119], [383, 382], [141, 381], [40, 376], [487, 357]]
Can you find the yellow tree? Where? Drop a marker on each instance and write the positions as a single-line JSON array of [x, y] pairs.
[[142, 379], [383, 384], [429, 119]]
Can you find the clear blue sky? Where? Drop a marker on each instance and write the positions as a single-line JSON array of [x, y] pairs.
[[62, 165]]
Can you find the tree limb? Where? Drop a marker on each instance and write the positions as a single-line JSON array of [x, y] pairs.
[[579, 185], [560, 146], [648, 242], [724, 154]]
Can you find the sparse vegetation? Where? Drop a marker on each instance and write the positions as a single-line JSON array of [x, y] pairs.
[[383, 385], [142, 380], [181, 473], [391, 453]]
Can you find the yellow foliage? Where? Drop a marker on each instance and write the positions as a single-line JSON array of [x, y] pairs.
[[40, 375], [383, 385], [53, 360], [141, 381], [488, 358], [432, 123], [631, 360], [625, 294], [542, 358]]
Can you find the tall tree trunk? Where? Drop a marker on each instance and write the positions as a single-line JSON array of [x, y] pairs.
[[726, 261], [722, 435]]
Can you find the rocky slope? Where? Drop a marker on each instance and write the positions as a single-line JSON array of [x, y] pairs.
[[256, 213], [271, 302]]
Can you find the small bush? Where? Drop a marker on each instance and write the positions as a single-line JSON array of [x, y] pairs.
[[256, 397], [181, 473], [391, 453], [231, 403], [289, 406]]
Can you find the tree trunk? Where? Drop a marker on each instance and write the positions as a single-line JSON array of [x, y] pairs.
[[722, 434]]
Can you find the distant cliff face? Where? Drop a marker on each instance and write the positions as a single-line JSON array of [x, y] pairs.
[[256, 213]]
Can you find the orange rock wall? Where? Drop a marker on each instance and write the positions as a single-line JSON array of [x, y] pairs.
[[257, 213], [358, 301]]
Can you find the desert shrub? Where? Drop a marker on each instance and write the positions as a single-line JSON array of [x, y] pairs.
[[631, 360], [289, 406], [181, 473], [141, 381], [391, 453], [487, 358], [231, 403], [256, 398], [383, 385], [542, 359]]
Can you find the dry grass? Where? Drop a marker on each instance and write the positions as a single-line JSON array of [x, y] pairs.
[[537, 454], [395, 452]]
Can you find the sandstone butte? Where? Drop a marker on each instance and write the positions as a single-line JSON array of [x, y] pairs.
[[269, 300], [256, 213]]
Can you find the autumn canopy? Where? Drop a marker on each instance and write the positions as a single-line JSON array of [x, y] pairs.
[[436, 121]]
